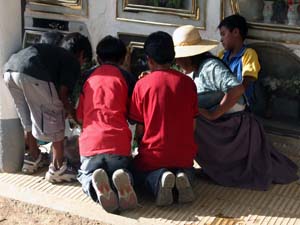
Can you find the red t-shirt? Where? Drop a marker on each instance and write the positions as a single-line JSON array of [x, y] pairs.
[[165, 102], [103, 111]]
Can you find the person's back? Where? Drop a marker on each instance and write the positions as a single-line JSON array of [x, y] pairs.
[[164, 105], [46, 62], [41, 79], [168, 114], [243, 61], [105, 139], [103, 108], [52, 37]]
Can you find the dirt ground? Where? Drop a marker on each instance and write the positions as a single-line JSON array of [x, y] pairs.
[[18, 213]]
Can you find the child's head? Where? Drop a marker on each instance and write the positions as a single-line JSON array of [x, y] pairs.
[[233, 30], [78, 45], [160, 48], [111, 49], [51, 37]]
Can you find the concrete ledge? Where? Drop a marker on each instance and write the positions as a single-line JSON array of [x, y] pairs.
[[79, 208]]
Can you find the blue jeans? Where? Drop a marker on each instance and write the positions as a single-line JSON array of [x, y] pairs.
[[151, 179], [109, 162]]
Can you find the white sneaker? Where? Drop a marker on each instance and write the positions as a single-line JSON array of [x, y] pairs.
[[126, 193], [185, 191], [106, 196], [31, 166], [164, 195], [64, 174]]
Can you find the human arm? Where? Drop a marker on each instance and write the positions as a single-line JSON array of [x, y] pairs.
[[68, 75], [144, 73], [251, 67], [218, 80], [63, 94], [195, 123], [79, 110], [136, 112], [139, 132], [135, 117], [229, 100], [247, 80]]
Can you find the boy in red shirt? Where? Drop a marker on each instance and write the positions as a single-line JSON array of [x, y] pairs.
[[104, 143], [164, 106]]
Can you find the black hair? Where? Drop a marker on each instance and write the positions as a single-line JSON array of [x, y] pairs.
[[159, 46], [51, 37], [111, 49], [75, 43], [198, 59], [235, 21]]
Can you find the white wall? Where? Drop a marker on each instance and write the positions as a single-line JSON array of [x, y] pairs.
[[10, 41], [102, 21], [11, 132]]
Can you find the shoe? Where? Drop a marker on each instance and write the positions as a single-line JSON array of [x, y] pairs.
[[164, 195], [65, 173], [106, 196], [184, 188], [126, 193], [31, 166]]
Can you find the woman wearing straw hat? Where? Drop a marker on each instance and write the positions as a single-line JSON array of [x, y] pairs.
[[232, 147]]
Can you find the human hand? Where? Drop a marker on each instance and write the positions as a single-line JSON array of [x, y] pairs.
[[127, 61], [209, 115], [71, 115], [142, 74]]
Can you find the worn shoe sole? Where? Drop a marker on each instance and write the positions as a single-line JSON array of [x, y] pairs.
[[54, 179], [184, 188], [32, 167], [165, 193], [106, 196], [126, 193]]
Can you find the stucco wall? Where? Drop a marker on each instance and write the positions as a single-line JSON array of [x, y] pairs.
[[103, 21], [11, 132], [10, 41]]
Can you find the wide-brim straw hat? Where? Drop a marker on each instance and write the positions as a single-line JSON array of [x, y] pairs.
[[188, 42]]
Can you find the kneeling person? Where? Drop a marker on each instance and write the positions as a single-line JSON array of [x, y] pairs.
[[105, 141], [164, 106]]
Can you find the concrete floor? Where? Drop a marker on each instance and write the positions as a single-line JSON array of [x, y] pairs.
[[215, 205]]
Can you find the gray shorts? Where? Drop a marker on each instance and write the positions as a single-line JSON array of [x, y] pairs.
[[38, 106]]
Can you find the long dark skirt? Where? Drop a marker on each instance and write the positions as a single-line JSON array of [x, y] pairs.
[[234, 151]]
